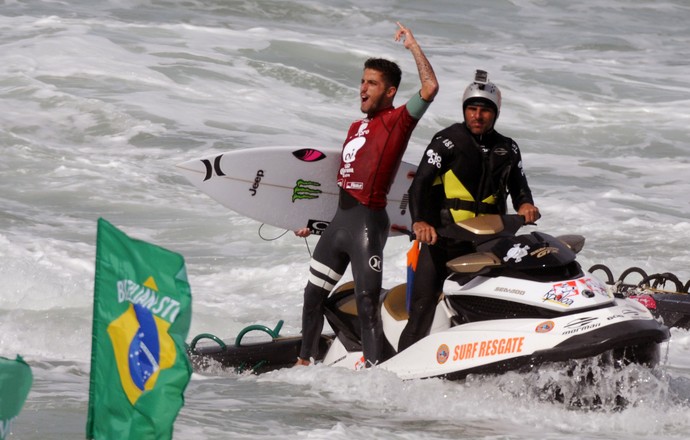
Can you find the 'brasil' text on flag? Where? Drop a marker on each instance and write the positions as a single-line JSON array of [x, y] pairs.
[[141, 318]]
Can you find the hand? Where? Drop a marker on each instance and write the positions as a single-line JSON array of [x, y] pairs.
[[530, 212], [425, 232], [304, 232], [409, 39], [426, 72]]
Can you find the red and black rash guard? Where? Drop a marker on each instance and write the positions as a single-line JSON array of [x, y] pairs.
[[372, 153]]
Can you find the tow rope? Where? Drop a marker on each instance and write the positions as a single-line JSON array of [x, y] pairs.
[[649, 283]]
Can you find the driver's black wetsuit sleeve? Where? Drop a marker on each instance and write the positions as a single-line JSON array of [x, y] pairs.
[[426, 198], [517, 181]]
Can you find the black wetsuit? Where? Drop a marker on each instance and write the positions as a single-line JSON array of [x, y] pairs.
[[487, 167], [356, 235], [371, 156]]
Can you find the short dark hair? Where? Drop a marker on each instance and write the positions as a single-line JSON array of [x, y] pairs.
[[391, 72]]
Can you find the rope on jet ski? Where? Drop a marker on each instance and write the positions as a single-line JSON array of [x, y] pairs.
[[649, 283]]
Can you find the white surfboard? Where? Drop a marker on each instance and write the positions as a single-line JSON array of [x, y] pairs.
[[287, 187]]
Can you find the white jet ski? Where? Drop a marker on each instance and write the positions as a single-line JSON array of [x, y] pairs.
[[518, 301]]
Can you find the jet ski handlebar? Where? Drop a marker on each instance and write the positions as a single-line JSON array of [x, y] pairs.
[[477, 229], [484, 228]]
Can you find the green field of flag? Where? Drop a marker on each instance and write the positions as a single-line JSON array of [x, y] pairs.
[[15, 383], [141, 317]]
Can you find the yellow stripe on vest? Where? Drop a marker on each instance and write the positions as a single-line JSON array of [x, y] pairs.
[[454, 189]]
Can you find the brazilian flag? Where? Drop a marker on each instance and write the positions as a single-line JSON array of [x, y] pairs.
[[141, 317], [15, 383]]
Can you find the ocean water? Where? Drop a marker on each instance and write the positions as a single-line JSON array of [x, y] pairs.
[[100, 99]]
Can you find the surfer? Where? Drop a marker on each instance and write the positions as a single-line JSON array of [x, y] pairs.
[[467, 170], [371, 155]]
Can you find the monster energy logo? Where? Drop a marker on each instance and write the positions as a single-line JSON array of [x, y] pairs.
[[302, 190]]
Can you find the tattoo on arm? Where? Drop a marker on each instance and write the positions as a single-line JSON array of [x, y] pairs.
[[426, 73]]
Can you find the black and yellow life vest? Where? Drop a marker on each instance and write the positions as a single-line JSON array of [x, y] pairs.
[[476, 182], [460, 202]]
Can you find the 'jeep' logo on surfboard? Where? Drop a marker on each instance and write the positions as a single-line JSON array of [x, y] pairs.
[[257, 181], [303, 191]]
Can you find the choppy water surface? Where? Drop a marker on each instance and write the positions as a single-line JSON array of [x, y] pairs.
[[99, 100]]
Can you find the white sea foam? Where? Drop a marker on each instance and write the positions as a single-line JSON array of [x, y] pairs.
[[99, 100]]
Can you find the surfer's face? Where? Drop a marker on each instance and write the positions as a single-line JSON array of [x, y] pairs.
[[479, 119], [375, 94]]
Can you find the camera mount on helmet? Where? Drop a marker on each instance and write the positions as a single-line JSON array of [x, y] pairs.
[[482, 90]]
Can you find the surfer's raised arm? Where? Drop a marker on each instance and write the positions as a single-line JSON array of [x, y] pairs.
[[426, 72]]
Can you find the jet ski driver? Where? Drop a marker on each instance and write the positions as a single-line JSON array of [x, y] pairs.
[[467, 170]]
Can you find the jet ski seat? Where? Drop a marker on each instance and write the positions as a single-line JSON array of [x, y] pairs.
[[348, 306], [396, 302]]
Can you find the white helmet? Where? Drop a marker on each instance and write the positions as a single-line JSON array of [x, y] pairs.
[[482, 90]]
